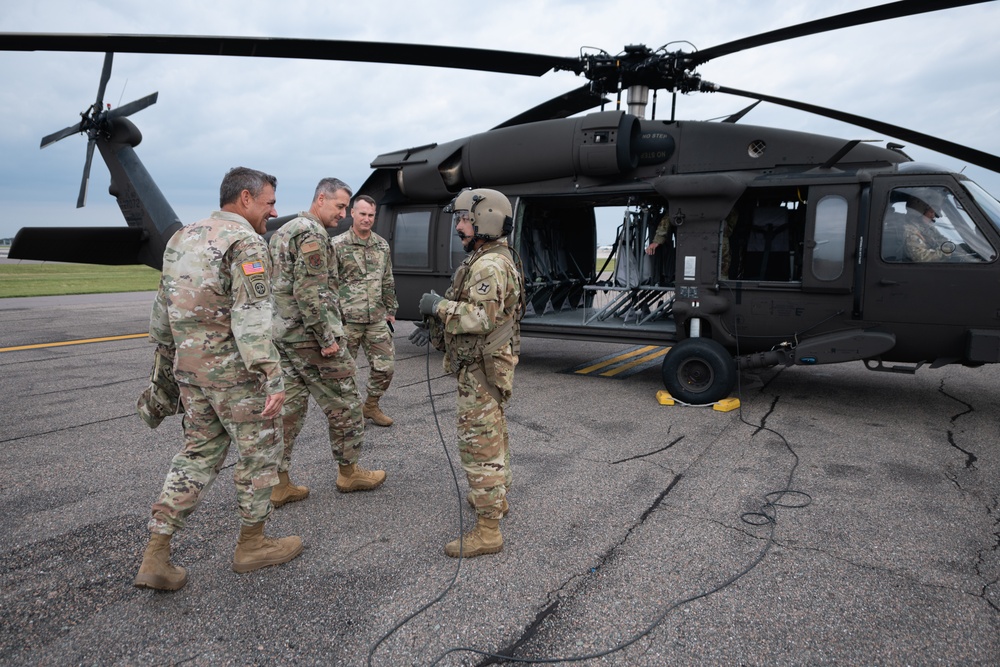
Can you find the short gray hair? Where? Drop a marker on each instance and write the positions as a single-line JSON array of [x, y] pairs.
[[239, 179], [330, 186]]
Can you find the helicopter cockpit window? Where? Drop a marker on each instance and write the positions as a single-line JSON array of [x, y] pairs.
[[412, 240], [986, 201], [831, 235], [928, 224]]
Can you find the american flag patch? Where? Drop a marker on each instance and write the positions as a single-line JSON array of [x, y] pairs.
[[251, 268]]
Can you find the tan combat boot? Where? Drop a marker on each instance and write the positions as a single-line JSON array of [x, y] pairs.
[[353, 477], [156, 571], [372, 411], [485, 538], [504, 507], [254, 550], [286, 492]]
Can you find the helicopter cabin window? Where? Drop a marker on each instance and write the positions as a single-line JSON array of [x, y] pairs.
[[761, 238], [411, 240], [831, 236], [927, 224]]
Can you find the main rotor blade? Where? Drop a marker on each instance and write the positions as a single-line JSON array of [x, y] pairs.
[[105, 76], [82, 199], [61, 134], [957, 151], [132, 107], [567, 104], [508, 62], [886, 12]]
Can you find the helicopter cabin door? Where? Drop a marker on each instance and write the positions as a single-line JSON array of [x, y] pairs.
[[931, 274], [829, 247]]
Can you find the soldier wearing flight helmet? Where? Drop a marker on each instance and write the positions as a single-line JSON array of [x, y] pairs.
[[476, 324]]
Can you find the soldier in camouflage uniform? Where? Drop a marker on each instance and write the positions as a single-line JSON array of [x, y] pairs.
[[212, 315], [310, 338], [368, 301], [662, 234], [922, 241], [478, 320]]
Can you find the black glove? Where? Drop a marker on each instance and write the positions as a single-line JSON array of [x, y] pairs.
[[420, 336], [429, 302]]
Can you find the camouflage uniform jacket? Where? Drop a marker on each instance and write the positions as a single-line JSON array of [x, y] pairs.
[[367, 288], [662, 230], [485, 294], [922, 242], [214, 305], [304, 279]]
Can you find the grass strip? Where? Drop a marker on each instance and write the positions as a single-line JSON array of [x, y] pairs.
[[56, 279]]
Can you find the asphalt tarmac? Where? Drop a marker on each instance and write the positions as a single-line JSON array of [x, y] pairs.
[[840, 517]]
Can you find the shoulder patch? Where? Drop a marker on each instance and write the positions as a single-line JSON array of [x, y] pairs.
[[310, 246], [252, 268], [258, 288], [482, 290]]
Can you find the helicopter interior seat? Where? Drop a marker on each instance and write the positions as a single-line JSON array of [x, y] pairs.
[[539, 283], [893, 237], [797, 233], [554, 277], [768, 255]]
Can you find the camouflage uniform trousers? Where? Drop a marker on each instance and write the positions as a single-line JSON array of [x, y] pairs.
[[213, 419], [330, 380], [376, 340], [483, 445]]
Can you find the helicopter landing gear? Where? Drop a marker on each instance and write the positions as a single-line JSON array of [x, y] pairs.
[[699, 371]]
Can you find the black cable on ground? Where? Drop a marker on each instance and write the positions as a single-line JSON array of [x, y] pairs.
[[458, 493], [768, 511], [768, 514]]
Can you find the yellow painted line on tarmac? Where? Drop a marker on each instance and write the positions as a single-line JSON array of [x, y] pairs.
[[63, 343], [638, 362], [615, 360]]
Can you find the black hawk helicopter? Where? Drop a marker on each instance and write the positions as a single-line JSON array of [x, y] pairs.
[[773, 247]]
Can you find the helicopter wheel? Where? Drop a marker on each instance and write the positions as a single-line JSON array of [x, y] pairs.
[[699, 371]]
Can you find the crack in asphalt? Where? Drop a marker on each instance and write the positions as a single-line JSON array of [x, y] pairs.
[[970, 458], [552, 606], [985, 553], [763, 420], [655, 451], [67, 428]]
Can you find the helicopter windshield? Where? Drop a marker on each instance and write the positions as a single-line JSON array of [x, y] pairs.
[[929, 224], [986, 201]]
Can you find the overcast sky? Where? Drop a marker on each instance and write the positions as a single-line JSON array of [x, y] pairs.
[[303, 120]]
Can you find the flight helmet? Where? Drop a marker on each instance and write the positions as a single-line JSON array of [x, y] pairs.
[[489, 212]]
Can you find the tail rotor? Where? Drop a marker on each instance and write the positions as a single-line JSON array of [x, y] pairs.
[[97, 122]]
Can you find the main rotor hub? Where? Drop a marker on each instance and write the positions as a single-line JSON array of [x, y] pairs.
[[638, 65]]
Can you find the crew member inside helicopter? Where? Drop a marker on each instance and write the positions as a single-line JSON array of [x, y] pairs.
[[922, 240]]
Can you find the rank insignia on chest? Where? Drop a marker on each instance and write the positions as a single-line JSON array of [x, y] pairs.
[[252, 268]]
